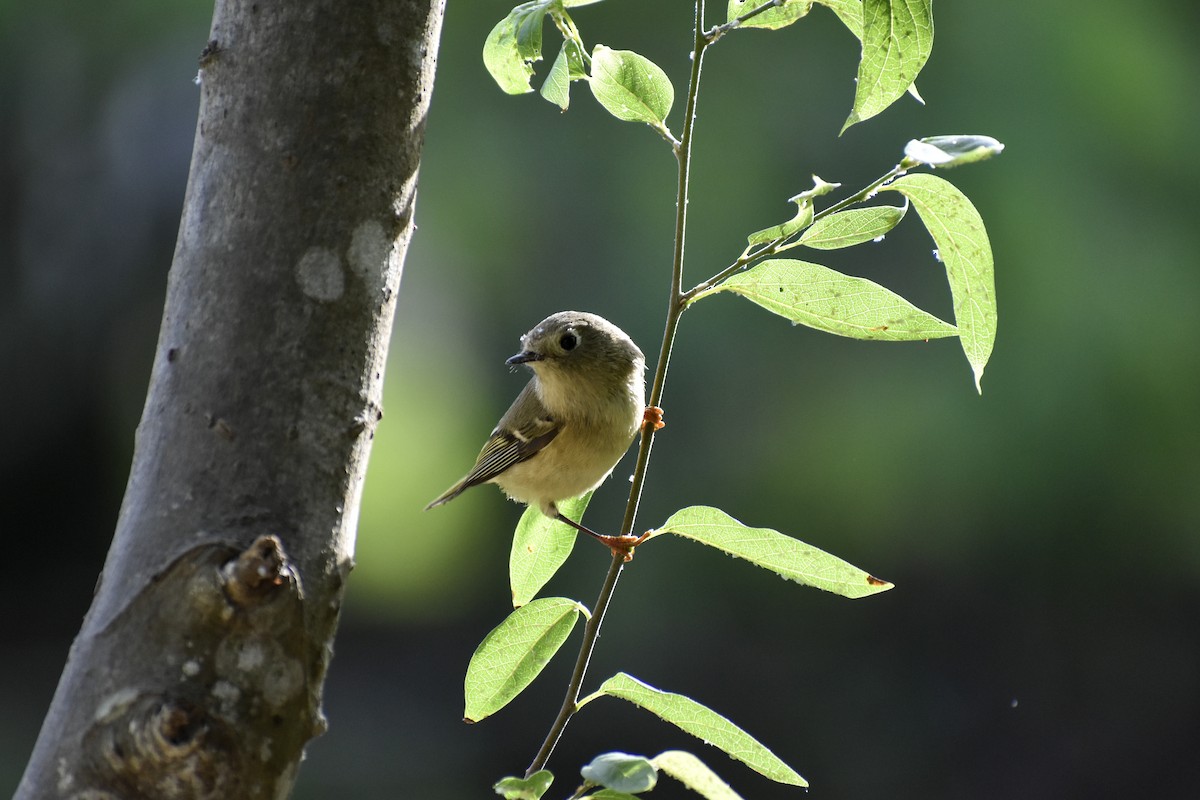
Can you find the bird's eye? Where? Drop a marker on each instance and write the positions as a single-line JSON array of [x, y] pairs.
[[568, 341]]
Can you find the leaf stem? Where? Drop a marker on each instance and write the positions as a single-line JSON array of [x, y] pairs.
[[675, 308]]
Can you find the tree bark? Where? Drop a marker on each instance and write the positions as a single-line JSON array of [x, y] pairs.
[[199, 668]]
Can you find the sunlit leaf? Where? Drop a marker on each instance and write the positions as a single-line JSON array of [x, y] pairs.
[[515, 652], [818, 297], [701, 722], [952, 151], [630, 86], [772, 19], [897, 37], [694, 774], [804, 215], [557, 86], [540, 546], [848, 228], [770, 549], [621, 772], [609, 794], [963, 247], [531, 788], [514, 44]]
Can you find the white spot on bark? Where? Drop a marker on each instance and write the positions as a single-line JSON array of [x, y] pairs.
[[369, 253], [320, 274], [191, 668], [250, 656]]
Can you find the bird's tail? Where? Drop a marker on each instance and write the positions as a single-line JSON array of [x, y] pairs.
[[448, 495]]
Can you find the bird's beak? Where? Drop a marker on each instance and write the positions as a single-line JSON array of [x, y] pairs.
[[521, 358]]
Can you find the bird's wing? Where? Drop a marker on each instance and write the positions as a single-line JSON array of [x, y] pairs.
[[509, 445]]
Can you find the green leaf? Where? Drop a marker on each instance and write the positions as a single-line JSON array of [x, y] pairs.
[[770, 549], [848, 228], [701, 722], [540, 546], [818, 297], [621, 772], [557, 86], [515, 652], [609, 794], [630, 87], [772, 19], [567, 67], [514, 45], [963, 247], [694, 774], [952, 151], [804, 213], [897, 37], [531, 788]]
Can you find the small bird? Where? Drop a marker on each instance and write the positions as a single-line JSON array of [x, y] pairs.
[[571, 423]]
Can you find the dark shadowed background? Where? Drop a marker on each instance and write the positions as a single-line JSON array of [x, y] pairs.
[[1043, 640]]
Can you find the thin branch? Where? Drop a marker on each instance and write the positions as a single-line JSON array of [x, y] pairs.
[[675, 307], [720, 30]]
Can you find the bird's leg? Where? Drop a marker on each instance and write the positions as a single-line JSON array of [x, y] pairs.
[[619, 545]]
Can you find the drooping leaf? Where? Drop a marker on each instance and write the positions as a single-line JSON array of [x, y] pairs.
[[849, 12], [772, 19], [694, 774], [952, 151], [818, 297], [621, 772], [515, 652], [855, 226], [897, 37], [770, 549], [513, 46], [630, 86], [963, 247], [540, 546], [701, 722], [531, 788], [568, 66]]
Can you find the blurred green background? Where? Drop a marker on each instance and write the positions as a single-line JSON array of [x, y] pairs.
[[1043, 640]]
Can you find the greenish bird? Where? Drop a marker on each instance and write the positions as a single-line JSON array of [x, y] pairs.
[[571, 423]]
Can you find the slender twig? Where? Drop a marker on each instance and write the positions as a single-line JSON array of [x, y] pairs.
[[720, 30], [782, 243], [675, 307]]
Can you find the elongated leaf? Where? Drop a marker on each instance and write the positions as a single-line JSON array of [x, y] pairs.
[[694, 774], [609, 794], [848, 228], [819, 297], [772, 19], [770, 549], [630, 86], [540, 546], [621, 772], [514, 44], [515, 652], [701, 722], [964, 249], [897, 37], [531, 788]]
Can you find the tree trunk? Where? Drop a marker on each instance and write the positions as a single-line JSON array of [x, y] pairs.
[[199, 668]]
